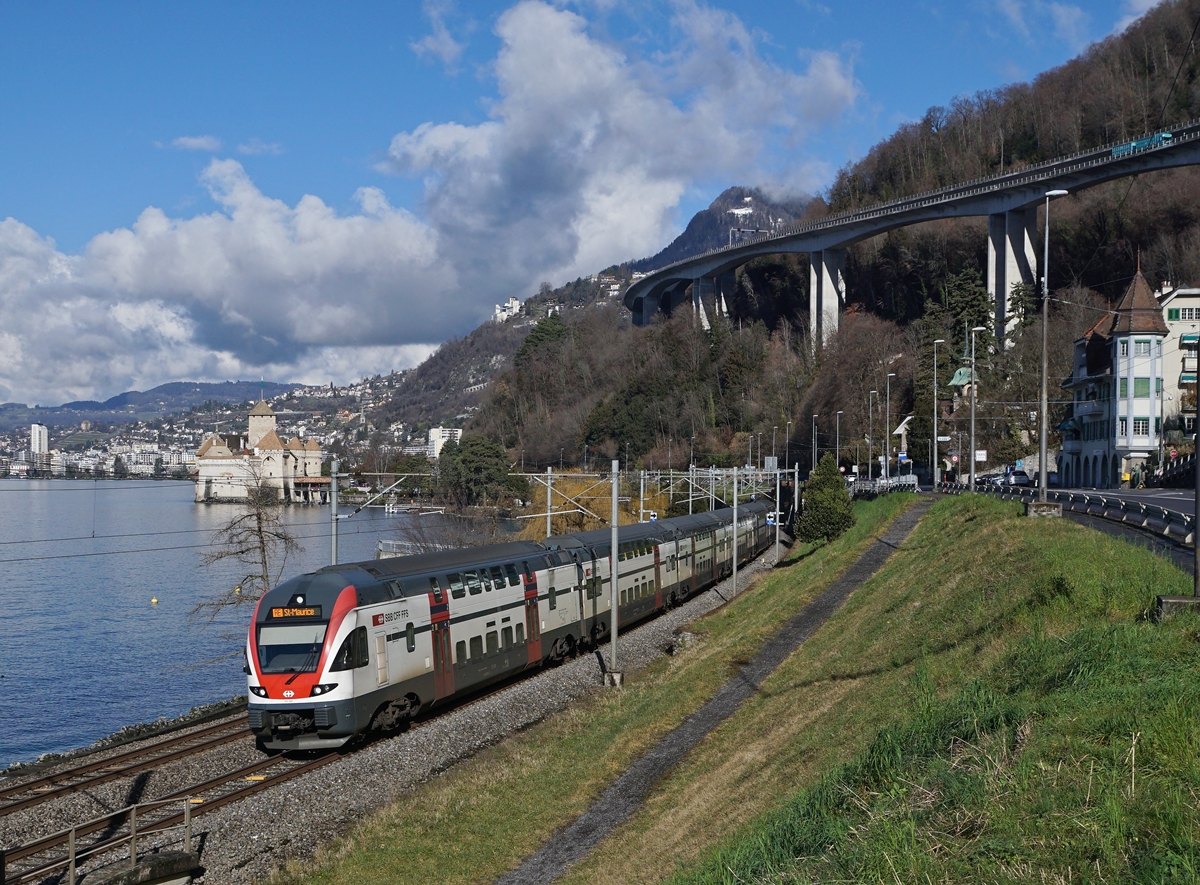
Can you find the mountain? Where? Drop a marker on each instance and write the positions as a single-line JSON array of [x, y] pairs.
[[744, 208], [137, 405]]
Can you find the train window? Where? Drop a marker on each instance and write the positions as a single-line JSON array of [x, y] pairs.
[[476, 647], [353, 652], [520, 632], [473, 584], [493, 642], [410, 634], [394, 590], [498, 577], [460, 652], [552, 600], [506, 638], [525, 568], [435, 589], [514, 580], [456, 586], [653, 586]]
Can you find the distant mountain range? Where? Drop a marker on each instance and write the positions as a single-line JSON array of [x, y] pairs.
[[137, 405]]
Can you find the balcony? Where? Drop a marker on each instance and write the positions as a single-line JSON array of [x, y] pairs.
[[1088, 408]]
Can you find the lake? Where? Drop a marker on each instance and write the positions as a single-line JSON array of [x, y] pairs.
[[83, 651]]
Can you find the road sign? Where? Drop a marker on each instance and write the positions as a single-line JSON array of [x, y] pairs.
[[1020, 463], [902, 456], [954, 459], [980, 456], [943, 439]]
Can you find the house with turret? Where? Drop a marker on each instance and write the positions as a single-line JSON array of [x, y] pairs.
[[228, 467]]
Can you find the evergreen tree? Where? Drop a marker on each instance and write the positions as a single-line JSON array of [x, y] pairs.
[[827, 510]]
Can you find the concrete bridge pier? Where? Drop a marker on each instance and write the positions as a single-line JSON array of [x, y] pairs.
[[698, 291], [1012, 259], [826, 292]]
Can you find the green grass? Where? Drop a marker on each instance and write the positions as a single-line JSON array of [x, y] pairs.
[[481, 818], [1032, 724]]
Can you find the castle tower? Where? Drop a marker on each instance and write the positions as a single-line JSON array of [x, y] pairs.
[[262, 422]]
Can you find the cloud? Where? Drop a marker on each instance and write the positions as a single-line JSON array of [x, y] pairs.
[[256, 147], [297, 292], [209, 143], [1014, 11], [584, 160], [1131, 11], [439, 43], [588, 151], [1071, 25]]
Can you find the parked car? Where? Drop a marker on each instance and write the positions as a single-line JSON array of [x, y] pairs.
[[1018, 478]]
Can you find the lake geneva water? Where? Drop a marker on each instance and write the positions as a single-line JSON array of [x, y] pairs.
[[82, 649]]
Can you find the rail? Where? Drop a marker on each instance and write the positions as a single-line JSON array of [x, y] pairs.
[[1151, 517]]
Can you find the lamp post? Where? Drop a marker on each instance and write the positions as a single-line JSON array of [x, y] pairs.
[[760, 454], [837, 439], [773, 429], [971, 483], [1045, 405], [585, 457], [887, 434], [871, 433], [814, 457], [936, 469], [787, 439]]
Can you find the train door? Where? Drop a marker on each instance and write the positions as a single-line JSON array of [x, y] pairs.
[[381, 658], [439, 637], [533, 625], [658, 577]]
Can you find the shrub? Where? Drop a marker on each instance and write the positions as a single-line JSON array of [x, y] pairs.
[[827, 510]]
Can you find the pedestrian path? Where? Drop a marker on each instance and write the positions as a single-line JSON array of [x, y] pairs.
[[628, 792]]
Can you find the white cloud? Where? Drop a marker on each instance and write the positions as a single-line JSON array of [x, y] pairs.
[[439, 43], [256, 147], [1131, 11], [1014, 11], [1071, 25], [583, 162], [296, 292], [209, 143], [589, 151]]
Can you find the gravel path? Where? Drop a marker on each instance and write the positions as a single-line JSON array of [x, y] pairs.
[[246, 841], [626, 794]]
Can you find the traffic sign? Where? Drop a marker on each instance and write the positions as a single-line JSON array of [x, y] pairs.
[[943, 439], [902, 456], [980, 456], [954, 459]]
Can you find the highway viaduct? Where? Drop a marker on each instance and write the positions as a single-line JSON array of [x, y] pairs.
[[1009, 201]]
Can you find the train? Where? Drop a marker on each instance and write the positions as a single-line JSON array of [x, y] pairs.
[[1158, 139], [347, 649]]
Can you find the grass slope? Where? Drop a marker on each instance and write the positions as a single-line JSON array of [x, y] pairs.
[[481, 818], [1042, 729]]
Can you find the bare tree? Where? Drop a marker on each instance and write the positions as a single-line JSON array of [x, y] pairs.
[[257, 540]]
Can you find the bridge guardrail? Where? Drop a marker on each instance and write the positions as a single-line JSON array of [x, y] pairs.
[[870, 488], [1168, 523], [1027, 175]]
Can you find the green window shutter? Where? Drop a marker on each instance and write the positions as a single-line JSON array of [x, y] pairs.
[[1172, 314], [1158, 385], [1124, 388], [1141, 387]]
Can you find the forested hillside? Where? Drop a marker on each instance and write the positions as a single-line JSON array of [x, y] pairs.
[[595, 381]]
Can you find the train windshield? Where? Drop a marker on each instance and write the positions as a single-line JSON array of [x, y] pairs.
[[292, 649]]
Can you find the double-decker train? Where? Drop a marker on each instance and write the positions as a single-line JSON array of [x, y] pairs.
[[337, 652]]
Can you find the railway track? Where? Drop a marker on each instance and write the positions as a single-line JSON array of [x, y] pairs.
[[45, 857], [91, 774]]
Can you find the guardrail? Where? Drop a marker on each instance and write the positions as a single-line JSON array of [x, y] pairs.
[[870, 488], [1168, 523], [118, 819]]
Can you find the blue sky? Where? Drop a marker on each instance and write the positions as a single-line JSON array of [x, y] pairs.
[[317, 192]]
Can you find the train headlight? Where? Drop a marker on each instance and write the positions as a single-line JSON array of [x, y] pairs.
[[258, 690], [323, 688]]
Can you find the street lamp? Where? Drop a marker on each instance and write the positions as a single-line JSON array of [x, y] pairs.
[[974, 384], [837, 438], [936, 469], [760, 454], [814, 457], [887, 434], [1045, 405], [871, 432], [787, 439], [773, 429]]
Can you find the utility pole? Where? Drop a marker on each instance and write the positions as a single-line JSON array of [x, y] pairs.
[[871, 433], [733, 592], [613, 677], [778, 515], [934, 465], [887, 433], [549, 499], [333, 512], [642, 496], [974, 384], [1045, 404]]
